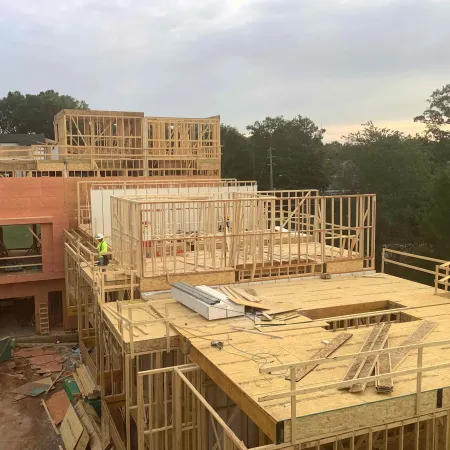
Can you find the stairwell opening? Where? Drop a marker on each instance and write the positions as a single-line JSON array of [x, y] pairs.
[[343, 317]]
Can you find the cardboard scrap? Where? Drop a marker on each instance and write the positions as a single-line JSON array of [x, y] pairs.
[[36, 351], [34, 388], [57, 405], [41, 360], [52, 367]]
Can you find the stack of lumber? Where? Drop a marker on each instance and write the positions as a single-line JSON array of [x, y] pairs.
[[368, 364], [81, 428], [91, 423], [85, 383], [240, 296]]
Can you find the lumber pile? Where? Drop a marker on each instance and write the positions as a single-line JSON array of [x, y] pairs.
[[245, 297], [91, 423], [81, 428], [369, 362], [326, 351], [85, 383], [72, 431]]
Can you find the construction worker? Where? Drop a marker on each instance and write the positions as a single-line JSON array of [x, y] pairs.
[[102, 249], [228, 221]]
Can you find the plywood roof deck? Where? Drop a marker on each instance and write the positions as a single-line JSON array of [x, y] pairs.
[[238, 364]]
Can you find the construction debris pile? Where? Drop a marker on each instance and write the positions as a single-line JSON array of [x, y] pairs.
[[74, 411]]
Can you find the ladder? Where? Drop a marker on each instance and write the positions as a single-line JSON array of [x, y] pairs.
[[44, 325]]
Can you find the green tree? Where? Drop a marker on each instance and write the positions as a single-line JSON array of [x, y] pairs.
[[437, 115], [298, 150], [436, 223], [236, 154], [34, 113], [398, 170]]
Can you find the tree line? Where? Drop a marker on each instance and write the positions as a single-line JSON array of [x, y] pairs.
[[409, 174]]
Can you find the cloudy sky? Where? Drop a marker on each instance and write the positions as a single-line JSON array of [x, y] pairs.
[[339, 62]]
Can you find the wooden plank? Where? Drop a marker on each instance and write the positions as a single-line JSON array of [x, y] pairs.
[[95, 442], [357, 363], [417, 336], [49, 417], [370, 361], [238, 300], [326, 351], [384, 365], [73, 434]]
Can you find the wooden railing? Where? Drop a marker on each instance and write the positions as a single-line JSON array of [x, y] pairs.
[[172, 413], [20, 264], [294, 393], [441, 271]]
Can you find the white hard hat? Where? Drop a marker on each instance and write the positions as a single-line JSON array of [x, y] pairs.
[[99, 236]]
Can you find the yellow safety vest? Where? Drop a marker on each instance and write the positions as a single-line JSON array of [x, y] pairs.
[[102, 247]]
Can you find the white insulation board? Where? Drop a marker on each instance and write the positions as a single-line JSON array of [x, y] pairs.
[[101, 200], [226, 308]]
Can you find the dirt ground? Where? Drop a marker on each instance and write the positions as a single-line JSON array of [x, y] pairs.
[[24, 424]]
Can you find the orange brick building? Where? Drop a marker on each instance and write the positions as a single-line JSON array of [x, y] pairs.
[[38, 196]]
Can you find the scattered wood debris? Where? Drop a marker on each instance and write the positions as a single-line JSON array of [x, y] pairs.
[[85, 382], [44, 360], [326, 351], [34, 388], [241, 297]]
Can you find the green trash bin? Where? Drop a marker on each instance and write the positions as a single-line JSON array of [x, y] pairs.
[[6, 347], [72, 390]]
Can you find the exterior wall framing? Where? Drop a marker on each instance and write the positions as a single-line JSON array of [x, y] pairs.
[[264, 236], [163, 396]]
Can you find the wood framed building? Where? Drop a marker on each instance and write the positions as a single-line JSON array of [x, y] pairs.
[[40, 196], [165, 386]]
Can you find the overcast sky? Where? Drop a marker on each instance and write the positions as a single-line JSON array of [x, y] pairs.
[[339, 62]]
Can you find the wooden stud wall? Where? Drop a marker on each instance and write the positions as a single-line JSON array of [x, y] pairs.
[[84, 189], [116, 143], [175, 406], [265, 235], [134, 145]]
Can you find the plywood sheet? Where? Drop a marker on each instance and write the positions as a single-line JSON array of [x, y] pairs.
[[57, 405], [72, 432]]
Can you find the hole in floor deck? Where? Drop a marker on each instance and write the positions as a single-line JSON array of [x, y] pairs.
[[364, 314]]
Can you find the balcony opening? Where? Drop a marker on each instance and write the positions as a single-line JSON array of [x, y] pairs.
[[343, 317], [20, 249]]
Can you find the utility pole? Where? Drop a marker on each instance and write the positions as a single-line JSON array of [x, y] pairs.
[[271, 168]]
